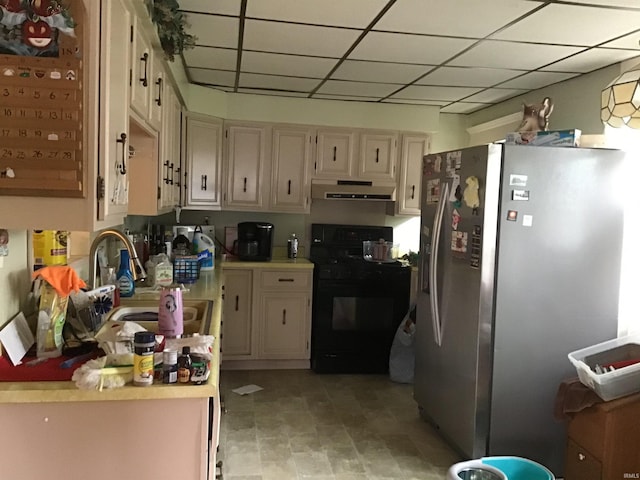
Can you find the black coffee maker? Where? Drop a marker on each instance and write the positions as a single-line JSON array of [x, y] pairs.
[[255, 241]]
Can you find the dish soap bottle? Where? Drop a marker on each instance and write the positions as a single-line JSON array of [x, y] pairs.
[[125, 282]]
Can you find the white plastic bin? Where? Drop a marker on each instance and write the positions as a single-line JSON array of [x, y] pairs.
[[611, 385]]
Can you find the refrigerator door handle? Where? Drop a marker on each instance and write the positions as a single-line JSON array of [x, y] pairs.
[[433, 266]]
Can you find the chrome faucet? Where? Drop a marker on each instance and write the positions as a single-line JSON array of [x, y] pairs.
[[137, 270]]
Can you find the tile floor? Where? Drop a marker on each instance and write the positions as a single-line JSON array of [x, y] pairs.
[[334, 427]]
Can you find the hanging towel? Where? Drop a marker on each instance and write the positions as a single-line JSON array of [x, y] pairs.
[[63, 279]]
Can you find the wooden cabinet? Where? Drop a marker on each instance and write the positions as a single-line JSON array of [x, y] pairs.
[[334, 153], [203, 160], [284, 314], [171, 178], [377, 156], [114, 112], [237, 314], [141, 78], [246, 147], [604, 441], [266, 316], [413, 148], [290, 160]]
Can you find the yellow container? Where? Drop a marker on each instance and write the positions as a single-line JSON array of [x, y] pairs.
[[50, 247]]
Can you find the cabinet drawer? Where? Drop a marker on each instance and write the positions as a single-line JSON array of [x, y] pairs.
[[580, 464], [285, 279]]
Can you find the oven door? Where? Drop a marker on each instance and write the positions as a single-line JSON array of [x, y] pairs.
[[354, 322]]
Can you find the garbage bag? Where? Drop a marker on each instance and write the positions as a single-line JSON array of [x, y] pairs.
[[402, 355]]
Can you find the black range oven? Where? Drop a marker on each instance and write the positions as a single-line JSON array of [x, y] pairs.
[[357, 304]]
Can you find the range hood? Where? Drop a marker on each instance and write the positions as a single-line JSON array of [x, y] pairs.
[[353, 190]]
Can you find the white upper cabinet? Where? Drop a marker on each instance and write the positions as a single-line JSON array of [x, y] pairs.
[[141, 75], [377, 156], [414, 147], [114, 112], [334, 153], [290, 161], [246, 147], [203, 146]]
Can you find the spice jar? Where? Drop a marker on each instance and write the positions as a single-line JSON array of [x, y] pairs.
[[143, 346], [170, 366]]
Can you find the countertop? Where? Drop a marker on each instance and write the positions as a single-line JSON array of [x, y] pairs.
[[275, 263], [208, 287]]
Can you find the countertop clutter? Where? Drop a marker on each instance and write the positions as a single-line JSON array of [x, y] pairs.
[[207, 289]]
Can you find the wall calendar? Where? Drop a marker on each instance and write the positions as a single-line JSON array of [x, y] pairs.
[[41, 99]]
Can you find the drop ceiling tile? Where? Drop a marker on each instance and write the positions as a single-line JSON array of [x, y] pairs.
[[213, 77], [494, 95], [421, 92], [467, 76], [592, 60], [631, 42], [610, 3], [454, 17], [572, 25], [353, 13], [299, 39], [397, 47], [525, 56], [212, 30], [258, 91], [416, 102], [287, 65], [346, 97], [222, 7], [535, 80], [379, 71], [341, 87], [209, 57], [255, 80], [464, 107]]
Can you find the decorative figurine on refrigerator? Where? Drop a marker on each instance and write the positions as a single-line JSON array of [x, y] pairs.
[[536, 116]]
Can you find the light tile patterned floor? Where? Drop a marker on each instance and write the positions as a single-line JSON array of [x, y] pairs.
[[326, 427]]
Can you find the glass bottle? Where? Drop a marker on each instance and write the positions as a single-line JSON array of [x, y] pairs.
[[292, 246], [184, 365]]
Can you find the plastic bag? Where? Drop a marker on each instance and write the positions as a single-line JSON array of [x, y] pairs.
[[402, 355]]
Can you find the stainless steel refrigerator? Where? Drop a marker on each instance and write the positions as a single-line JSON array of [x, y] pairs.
[[520, 265]]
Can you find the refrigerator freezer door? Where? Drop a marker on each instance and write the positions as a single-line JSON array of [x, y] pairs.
[[447, 387]]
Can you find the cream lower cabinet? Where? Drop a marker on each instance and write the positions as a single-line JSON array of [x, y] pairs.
[[284, 314], [266, 316], [236, 314]]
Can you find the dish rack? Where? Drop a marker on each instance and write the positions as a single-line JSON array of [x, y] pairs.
[[186, 269]]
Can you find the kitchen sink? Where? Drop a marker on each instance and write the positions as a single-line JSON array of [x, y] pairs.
[[196, 314]]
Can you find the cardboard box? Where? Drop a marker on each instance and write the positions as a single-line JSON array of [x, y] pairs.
[[551, 138]]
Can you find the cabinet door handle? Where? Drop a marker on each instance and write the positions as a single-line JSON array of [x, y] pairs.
[[170, 177], [377, 155], [237, 302], [285, 279], [289, 187], [413, 192], [244, 188], [123, 141], [177, 174], [159, 99], [284, 316], [335, 153], [166, 178], [203, 182], [144, 59]]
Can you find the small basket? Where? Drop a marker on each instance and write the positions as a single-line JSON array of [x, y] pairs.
[[186, 269]]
